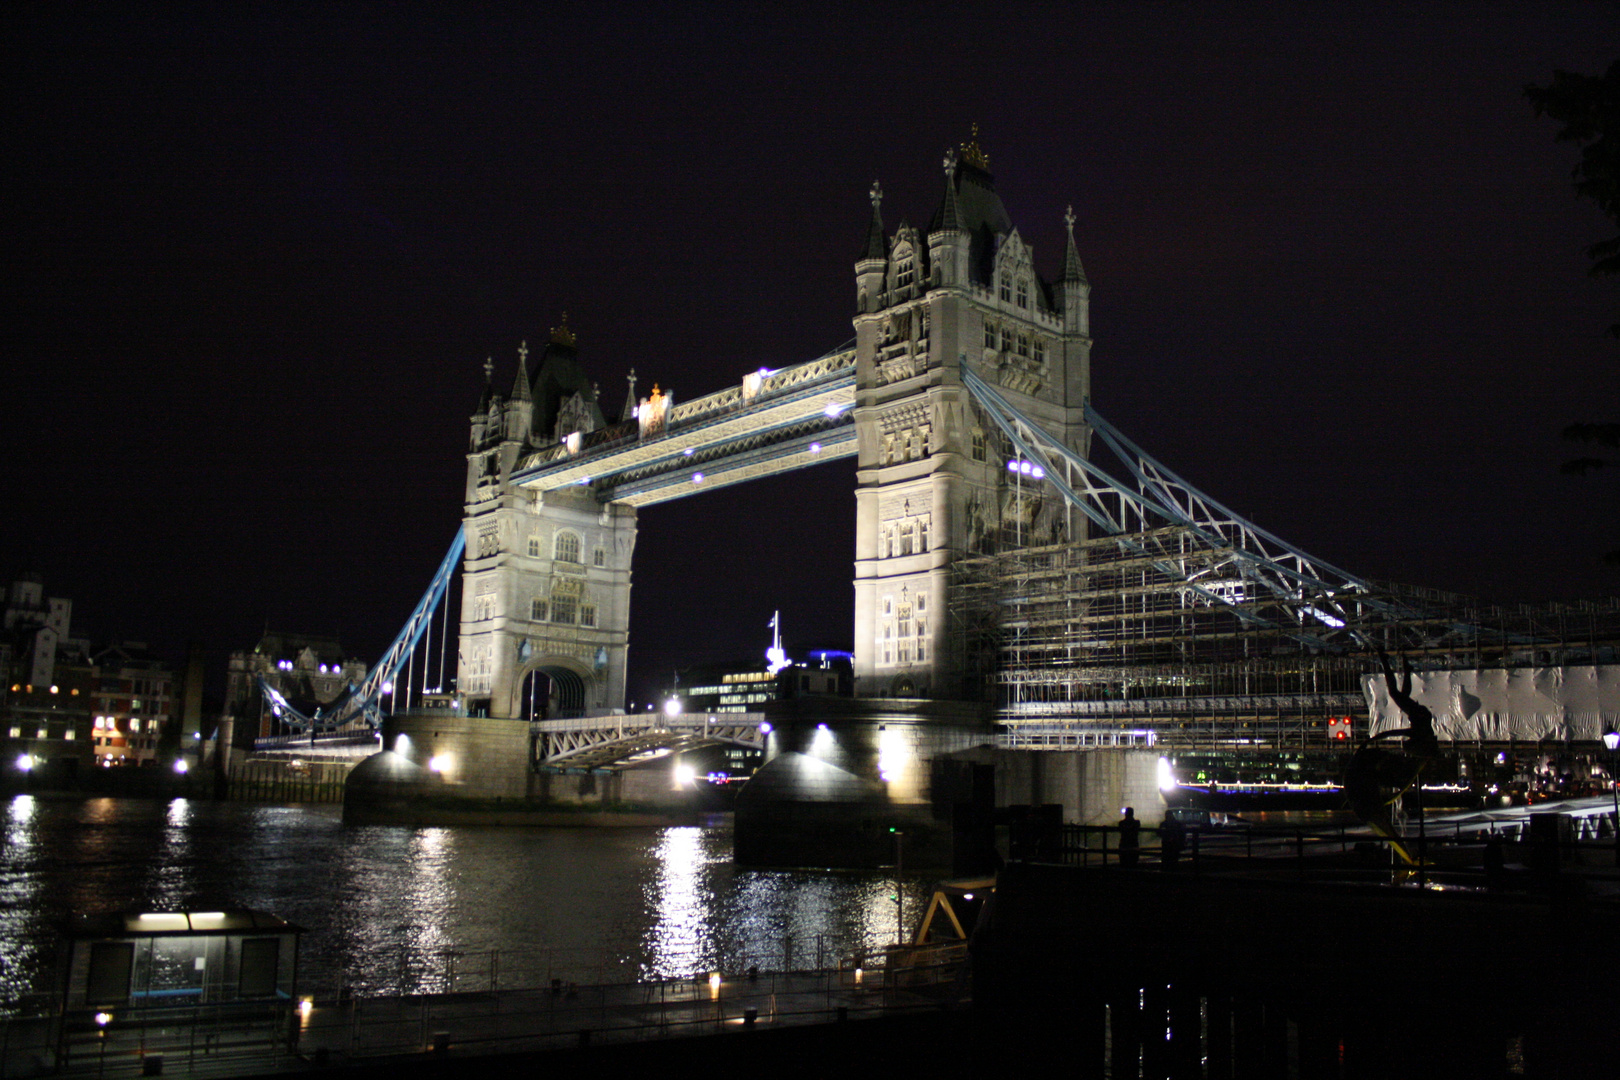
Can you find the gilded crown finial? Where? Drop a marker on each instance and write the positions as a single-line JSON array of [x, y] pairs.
[[561, 335], [1068, 219], [973, 153], [877, 195], [950, 162], [489, 368]]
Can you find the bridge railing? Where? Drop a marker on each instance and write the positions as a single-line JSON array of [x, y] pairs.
[[1454, 851]]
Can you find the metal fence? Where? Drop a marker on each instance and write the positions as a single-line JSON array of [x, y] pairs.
[[222, 1039]]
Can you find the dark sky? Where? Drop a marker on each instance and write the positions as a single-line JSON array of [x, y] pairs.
[[1338, 279]]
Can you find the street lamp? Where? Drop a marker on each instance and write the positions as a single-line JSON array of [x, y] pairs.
[[1611, 739]]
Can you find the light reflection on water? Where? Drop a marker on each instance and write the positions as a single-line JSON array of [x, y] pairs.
[[393, 909]]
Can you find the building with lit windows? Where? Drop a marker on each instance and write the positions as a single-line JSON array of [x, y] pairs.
[[132, 705], [45, 695]]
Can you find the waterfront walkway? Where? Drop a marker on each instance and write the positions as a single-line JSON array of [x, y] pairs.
[[239, 1041]]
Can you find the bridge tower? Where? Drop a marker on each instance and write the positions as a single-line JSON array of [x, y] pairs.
[[545, 605], [934, 482]]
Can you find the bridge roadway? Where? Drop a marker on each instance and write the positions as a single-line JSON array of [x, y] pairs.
[[623, 739], [773, 422]]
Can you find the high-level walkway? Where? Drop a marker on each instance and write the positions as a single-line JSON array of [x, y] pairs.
[[773, 422]]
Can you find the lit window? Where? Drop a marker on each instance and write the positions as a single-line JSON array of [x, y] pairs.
[[70, 734], [16, 733], [567, 548]]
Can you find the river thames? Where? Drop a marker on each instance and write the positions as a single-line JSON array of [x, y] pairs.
[[391, 909]]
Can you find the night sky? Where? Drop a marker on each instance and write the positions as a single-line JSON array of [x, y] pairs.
[[1338, 271]]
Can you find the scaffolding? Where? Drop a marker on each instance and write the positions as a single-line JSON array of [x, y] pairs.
[[1158, 638]]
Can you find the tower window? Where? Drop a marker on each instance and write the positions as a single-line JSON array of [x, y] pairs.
[[564, 610], [1023, 294], [587, 614], [1040, 348], [1006, 289], [989, 334], [979, 449], [537, 609], [599, 557], [567, 549], [534, 547]]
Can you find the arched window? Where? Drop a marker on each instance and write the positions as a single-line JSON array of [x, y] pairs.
[[905, 275], [567, 548], [1023, 293]]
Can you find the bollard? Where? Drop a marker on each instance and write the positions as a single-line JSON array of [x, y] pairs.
[[584, 1036], [152, 1065], [843, 1013], [441, 1042], [750, 1014]]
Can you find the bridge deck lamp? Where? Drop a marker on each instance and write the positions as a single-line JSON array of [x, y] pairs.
[[672, 707], [1611, 739]]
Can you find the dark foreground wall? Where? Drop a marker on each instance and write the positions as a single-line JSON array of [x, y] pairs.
[[1225, 976]]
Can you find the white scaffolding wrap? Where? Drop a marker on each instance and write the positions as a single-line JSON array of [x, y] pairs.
[[1496, 705]]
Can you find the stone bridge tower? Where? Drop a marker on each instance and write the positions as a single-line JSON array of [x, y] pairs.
[[934, 481], [545, 605]]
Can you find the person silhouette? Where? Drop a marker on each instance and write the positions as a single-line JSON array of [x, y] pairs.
[[1130, 838]]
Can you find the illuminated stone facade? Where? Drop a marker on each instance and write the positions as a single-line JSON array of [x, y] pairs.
[[545, 607], [933, 478]]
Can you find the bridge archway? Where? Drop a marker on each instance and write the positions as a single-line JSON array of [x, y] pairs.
[[551, 691]]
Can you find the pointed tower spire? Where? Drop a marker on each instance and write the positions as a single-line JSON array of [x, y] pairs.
[[520, 388], [875, 247], [629, 412], [950, 218], [1072, 270], [489, 390]]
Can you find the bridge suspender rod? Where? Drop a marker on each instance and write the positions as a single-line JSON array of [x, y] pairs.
[[362, 700], [405, 644]]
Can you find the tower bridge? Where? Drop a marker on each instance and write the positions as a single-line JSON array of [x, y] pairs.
[[1001, 576]]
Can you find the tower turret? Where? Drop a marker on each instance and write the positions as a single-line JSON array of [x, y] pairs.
[[1076, 290], [520, 406], [948, 240], [869, 270]]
